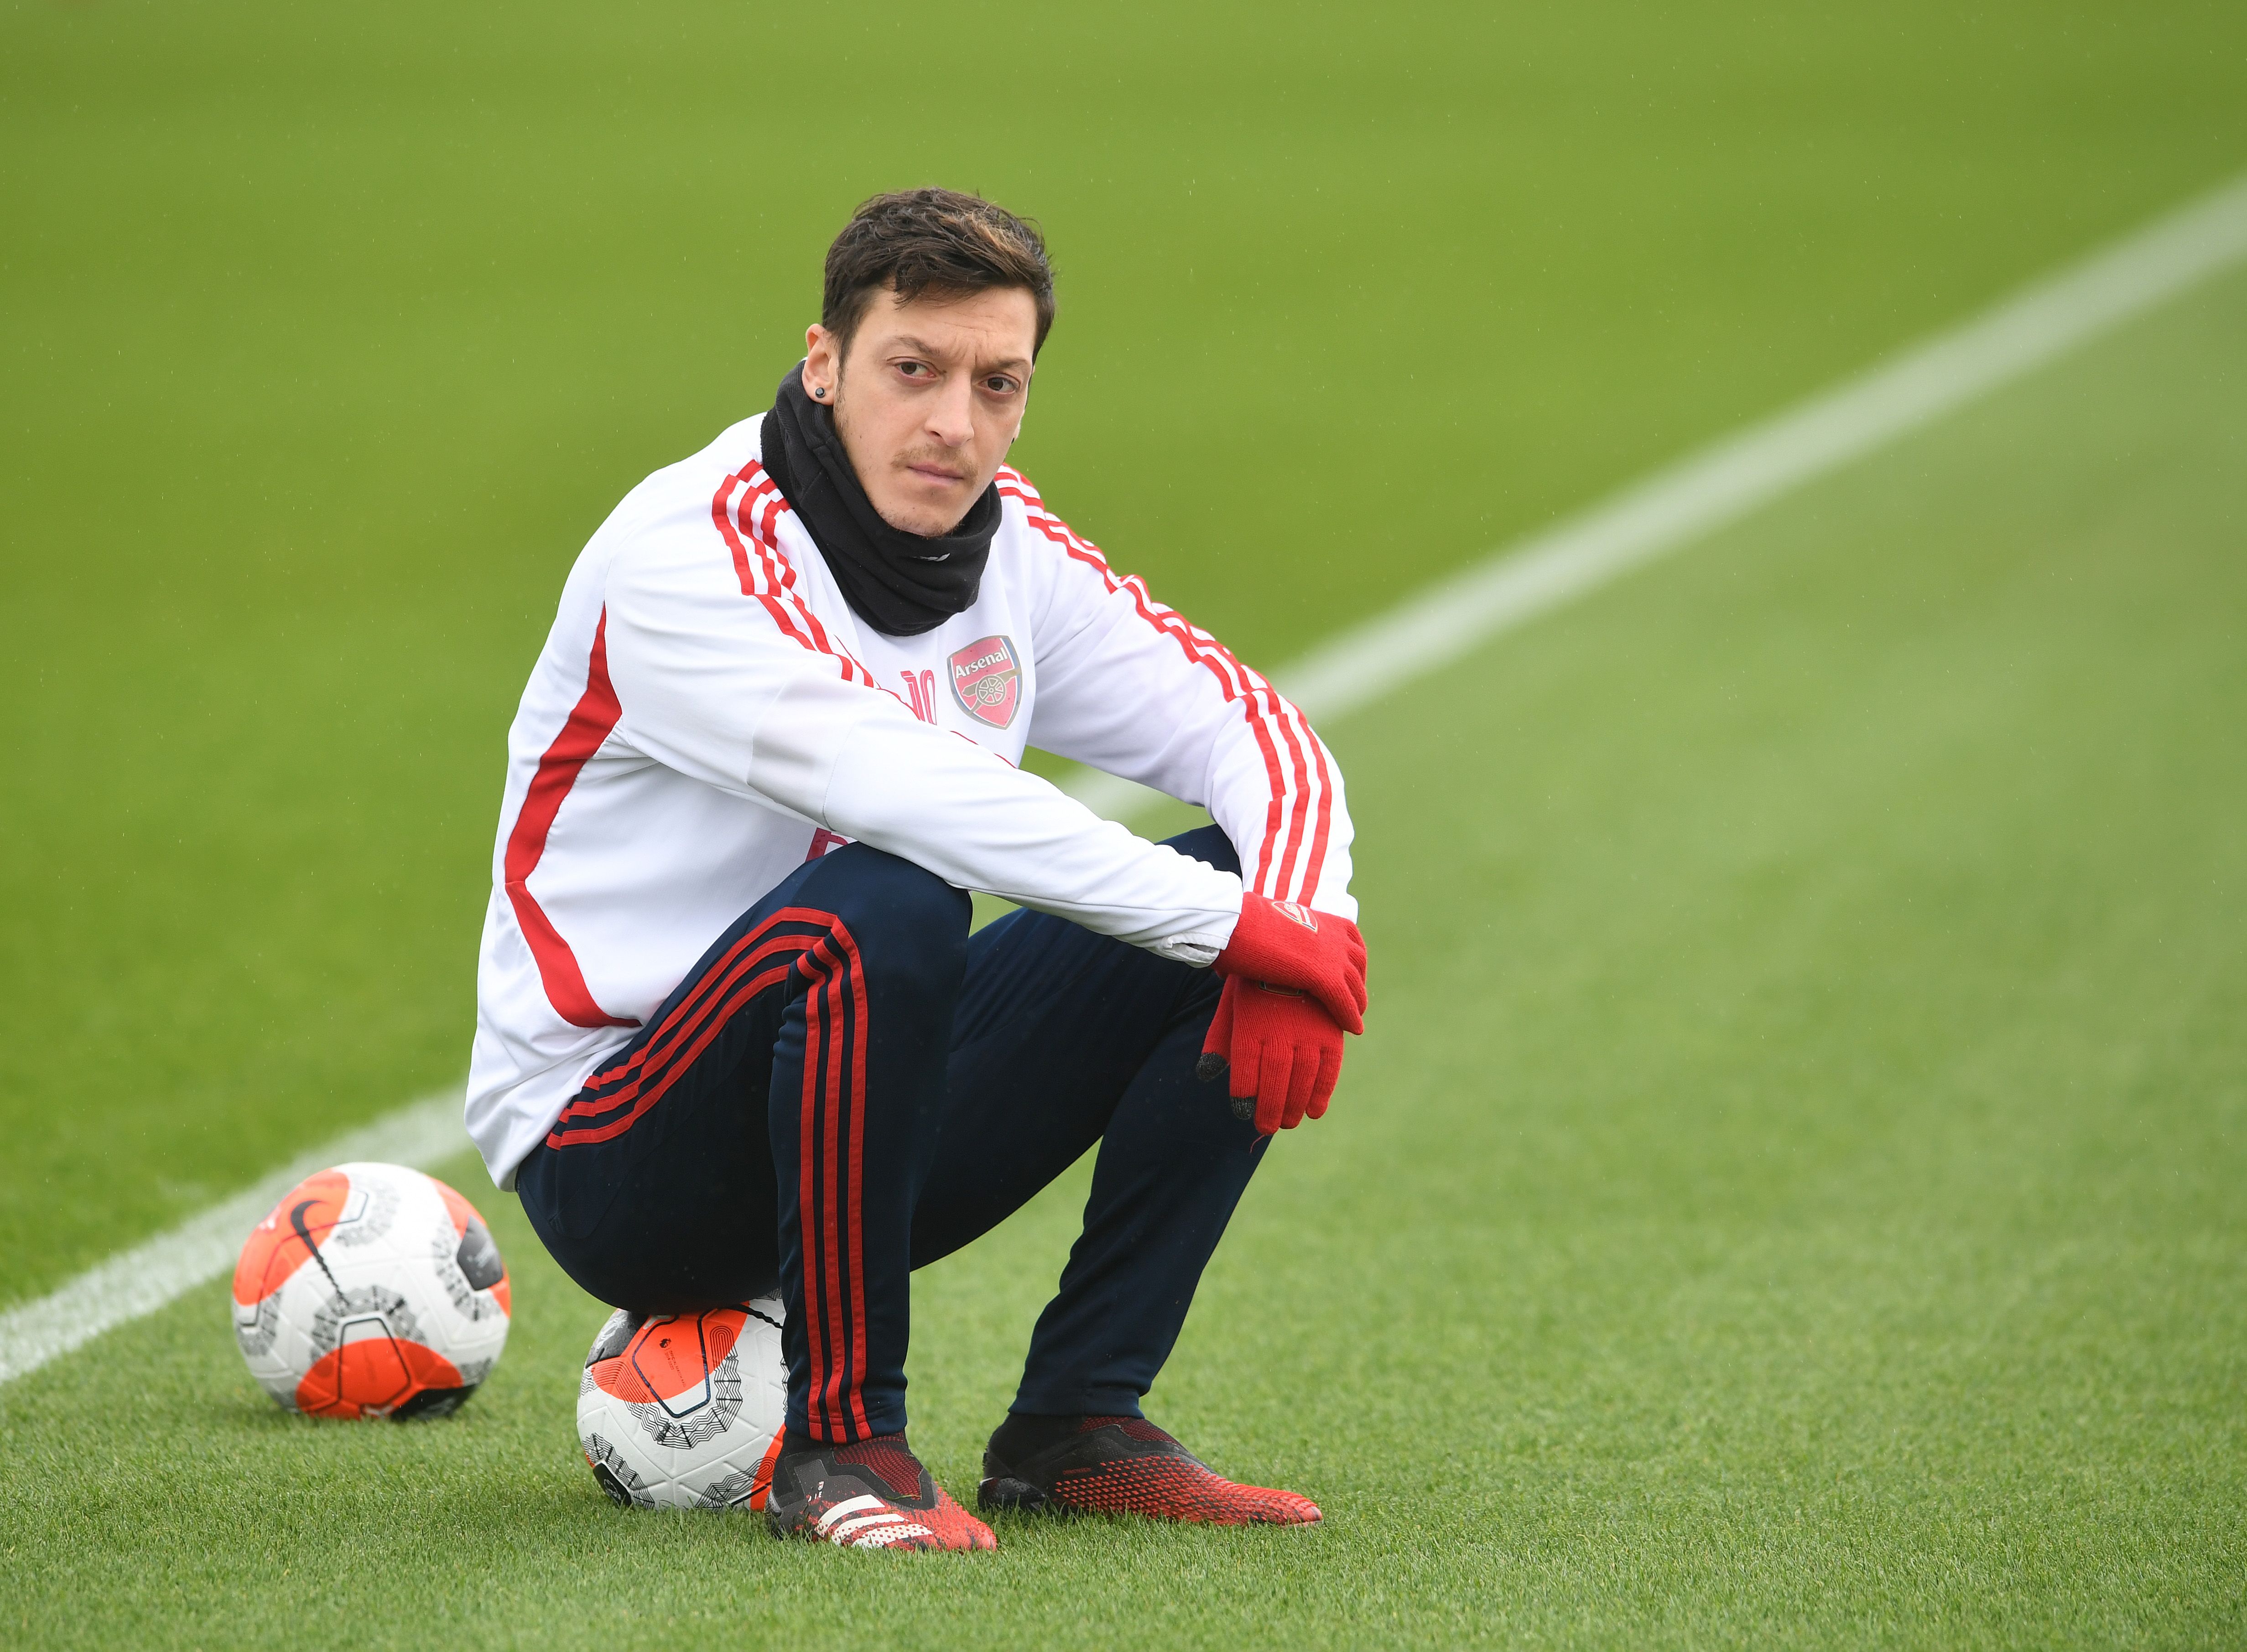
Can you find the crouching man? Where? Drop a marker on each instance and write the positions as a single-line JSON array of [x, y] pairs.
[[731, 1029]]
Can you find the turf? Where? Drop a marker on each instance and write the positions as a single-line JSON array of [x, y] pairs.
[[1791, 1191], [330, 336]]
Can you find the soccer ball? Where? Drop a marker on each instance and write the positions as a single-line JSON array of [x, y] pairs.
[[372, 1290], [684, 1410]]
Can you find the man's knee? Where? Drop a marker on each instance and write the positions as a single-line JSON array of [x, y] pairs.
[[902, 919], [1210, 845]]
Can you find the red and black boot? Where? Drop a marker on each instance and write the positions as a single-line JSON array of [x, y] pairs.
[[872, 1495], [1120, 1465]]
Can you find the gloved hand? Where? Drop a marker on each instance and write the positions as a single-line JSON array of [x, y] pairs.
[[1294, 983], [1285, 945], [1284, 1050]]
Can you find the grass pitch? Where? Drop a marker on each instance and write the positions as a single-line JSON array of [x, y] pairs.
[[1790, 1189]]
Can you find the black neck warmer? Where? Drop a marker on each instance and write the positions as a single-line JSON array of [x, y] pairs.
[[899, 583]]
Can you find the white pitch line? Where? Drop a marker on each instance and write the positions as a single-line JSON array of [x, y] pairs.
[[1652, 518], [1668, 510], [151, 1275]]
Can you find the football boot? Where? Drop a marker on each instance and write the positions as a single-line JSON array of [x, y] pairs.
[[872, 1495], [1120, 1465]]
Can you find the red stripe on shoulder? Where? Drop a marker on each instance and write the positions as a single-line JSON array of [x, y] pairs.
[[747, 509], [589, 723]]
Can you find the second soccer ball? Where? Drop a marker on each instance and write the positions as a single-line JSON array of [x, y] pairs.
[[370, 1290]]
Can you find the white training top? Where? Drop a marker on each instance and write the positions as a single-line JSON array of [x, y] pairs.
[[708, 714]]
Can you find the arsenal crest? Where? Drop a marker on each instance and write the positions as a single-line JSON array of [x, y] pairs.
[[987, 681]]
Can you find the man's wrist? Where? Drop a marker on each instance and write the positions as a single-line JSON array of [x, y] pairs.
[[1199, 947]]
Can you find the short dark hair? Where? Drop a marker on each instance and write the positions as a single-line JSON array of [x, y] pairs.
[[917, 241]]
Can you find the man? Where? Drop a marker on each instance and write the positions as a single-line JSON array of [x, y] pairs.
[[732, 1028]]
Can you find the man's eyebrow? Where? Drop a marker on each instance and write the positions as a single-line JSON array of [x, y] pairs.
[[921, 346]]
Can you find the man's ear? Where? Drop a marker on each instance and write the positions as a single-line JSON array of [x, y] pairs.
[[822, 365]]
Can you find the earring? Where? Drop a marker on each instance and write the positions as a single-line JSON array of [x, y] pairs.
[[820, 391]]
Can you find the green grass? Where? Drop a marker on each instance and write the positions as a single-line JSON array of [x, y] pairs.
[[326, 338], [1791, 1190]]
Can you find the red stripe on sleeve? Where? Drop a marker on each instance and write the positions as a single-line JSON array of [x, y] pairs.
[[1315, 867], [1265, 709], [1297, 812]]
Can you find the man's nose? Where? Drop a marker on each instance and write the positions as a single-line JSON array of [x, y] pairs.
[[951, 412]]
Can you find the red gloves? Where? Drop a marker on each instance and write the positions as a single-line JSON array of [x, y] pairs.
[[1285, 945], [1284, 1050], [1295, 982]]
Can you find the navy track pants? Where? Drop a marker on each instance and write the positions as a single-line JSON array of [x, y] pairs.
[[849, 1086]]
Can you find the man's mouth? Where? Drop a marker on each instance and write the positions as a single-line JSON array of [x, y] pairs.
[[936, 474]]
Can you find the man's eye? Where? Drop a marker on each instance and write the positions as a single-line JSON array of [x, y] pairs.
[[999, 387], [913, 369]]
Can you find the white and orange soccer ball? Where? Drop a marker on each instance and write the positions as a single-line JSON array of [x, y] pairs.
[[684, 1410], [372, 1290]]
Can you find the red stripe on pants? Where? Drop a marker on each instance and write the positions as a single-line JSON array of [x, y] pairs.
[[829, 1197]]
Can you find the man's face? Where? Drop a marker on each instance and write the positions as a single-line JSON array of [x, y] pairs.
[[929, 399]]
